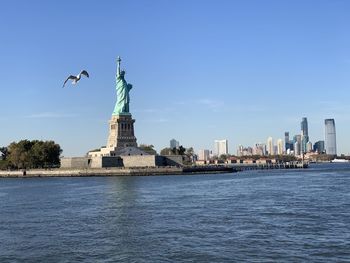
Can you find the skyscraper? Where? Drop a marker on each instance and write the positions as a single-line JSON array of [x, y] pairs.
[[296, 148], [203, 155], [319, 146], [304, 135], [286, 136], [330, 137], [304, 127], [174, 144], [270, 148], [259, 149], [279, 146], [309, 147], [286, 139], [297, 144], [288, 144], [221, 147]]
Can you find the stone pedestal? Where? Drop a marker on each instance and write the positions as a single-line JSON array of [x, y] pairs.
[[121, 132]]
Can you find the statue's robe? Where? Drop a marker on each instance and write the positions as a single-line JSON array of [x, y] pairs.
[[123, 98]]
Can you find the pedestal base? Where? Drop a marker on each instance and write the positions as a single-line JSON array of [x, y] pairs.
[[121, 132]]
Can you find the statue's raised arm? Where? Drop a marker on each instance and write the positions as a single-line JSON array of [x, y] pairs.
[[118, 65]]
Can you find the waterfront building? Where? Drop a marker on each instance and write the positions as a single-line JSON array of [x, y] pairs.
[[248, 151], [221, 147], [270, 148], [259, 149], [240, 150], [330, 137], [309, 147], [288, 144], [275, 149], [174, 144], [304, 141], [297, 144], [286, 137], [203, 155], [319, 147], [280, 147], [244, 151], [297, 148]]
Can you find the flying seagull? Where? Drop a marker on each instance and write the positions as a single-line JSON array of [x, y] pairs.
[[75, 79]]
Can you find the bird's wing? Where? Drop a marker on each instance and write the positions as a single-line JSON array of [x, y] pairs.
[[70, 77], [84, 72]]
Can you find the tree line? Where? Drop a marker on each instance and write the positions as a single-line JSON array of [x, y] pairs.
[[27, 154]]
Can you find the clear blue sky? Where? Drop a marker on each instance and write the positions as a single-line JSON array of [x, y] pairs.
[[201, 70]]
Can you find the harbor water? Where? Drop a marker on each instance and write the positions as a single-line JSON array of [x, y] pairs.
[[300, 215]]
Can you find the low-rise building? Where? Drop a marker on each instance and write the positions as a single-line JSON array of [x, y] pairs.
[[249, 161], [203, 155], [263, 161]]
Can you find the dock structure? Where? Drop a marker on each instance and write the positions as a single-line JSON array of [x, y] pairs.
[[264, 166]]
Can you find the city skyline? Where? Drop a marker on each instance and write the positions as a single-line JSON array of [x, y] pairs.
[[236, 70], [298, 146]]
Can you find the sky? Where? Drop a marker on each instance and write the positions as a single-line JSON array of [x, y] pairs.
[[201, 70]]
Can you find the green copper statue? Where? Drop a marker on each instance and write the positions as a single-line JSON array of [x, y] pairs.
[[123, 88]]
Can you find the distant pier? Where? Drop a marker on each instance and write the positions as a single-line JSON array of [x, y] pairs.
[[265, 166]]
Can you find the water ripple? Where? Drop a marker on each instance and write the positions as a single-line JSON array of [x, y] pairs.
[[254, 216]]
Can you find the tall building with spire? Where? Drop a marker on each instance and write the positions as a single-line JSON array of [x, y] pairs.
[[330, 137]]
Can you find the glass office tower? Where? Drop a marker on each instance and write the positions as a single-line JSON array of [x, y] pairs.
[[304, 127], [304, 134], [330, 137]]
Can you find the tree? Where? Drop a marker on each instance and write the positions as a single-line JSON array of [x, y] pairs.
[[4, 164], [190, 151], [181, 150], [166, 151], [148, 149], [34, 154], [223, 157], [4, 152], [173, 151], [19, 153]]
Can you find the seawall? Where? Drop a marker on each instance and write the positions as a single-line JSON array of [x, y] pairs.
[[114, 172], [145, 171], [91, 172]]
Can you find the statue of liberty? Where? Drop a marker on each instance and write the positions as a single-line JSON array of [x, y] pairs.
[[123, 88]]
